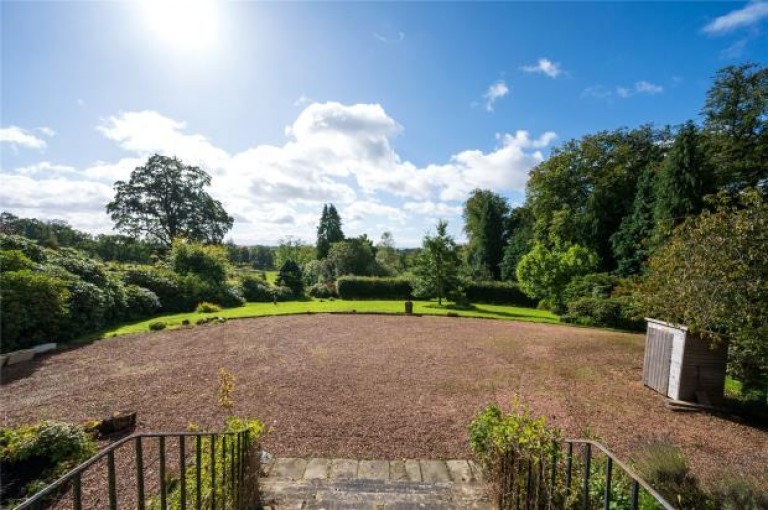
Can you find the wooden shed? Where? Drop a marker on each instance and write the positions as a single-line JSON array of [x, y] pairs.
[[681, 365]]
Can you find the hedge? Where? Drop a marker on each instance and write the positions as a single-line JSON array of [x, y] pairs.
[[360, 287], [506, 293], [606, 312]]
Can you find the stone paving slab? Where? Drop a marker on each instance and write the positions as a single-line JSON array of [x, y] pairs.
[[340, 484]]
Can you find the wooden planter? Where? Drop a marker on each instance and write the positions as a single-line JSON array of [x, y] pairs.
[[408, 307], [683, 366]]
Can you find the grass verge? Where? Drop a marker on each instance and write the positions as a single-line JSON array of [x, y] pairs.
[[338, 306]]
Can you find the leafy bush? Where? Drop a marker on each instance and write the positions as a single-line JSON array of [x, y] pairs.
[[206, 307], [665, 468], [256, 290], [34, 455], [157, 326], [282, 294], [79, 264], [605, 312], [140, 302], [594, 285], [33, 308], [361, 287], [739, 494], [209, 262], [497, 292], [28, 247], [14, 260], [87, 307], [164, 284], [321, 290]]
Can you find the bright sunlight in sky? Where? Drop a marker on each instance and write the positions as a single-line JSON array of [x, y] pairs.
[[186, 25]]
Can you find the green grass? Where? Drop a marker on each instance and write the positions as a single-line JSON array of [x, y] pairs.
[[271, 276], [338, 306]]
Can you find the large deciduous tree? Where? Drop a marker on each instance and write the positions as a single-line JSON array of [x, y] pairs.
[[328, 230], [437, 266], [485, 214], [712, 276], [631, 243], [166, 199], [736, 121]]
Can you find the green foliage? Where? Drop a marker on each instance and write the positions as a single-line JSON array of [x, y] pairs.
[[295, 250], [354, 257], [519, 240], [712, 276], [140, 302], [328, 231], [35, 455], [497, 292], [209, 262], [157, 326], [290, 276], [28, 247], [593, 285], [544, 273], [437, 266], [164, 284], [206, 307], [630, 244], [256, 289], [282, 293], [14, 260], [322, 291], [736, 123], [739, 494], [33, 308], [166, 199], [485, 213], [357, 287], [386, 255], [608, 312]]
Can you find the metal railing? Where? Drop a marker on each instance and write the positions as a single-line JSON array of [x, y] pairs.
[[580, 474], [161, 471]]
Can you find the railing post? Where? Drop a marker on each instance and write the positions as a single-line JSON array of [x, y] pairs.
[[224, 471], [553, 475], [232, 469], [77, 493], [139, 473], [111, 480], [634, 495], [213, 471], [163, 503], [585, 486], [198, 468], [182, 473], [568, 469], [608, 473]]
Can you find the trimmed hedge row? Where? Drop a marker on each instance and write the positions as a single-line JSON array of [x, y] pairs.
[[505, 293], [362, 287]]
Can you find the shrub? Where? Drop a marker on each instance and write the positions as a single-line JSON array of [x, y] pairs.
[[605, 312], [209, 262], [206, 307], [665, 468], [321, 290], [497, 292], [140, 302], [282, 294], [256, 290], [157, 326], [739, 494], [290, 276], [14, 260], [28, 247], [87, 307], [594, 285], [164, 284], [33, 308], [34, 455], [361, 287], [79, 264]]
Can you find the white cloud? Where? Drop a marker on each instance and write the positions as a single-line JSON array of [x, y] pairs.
[[332, 153], [545, 66], [47, 131], [749, 15], [645, 87], [622, 92], [396, 37], [18, 137], [495, 92], [597, 92], [301, 100]]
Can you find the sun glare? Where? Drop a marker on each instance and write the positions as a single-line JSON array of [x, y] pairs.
[[191, 25]]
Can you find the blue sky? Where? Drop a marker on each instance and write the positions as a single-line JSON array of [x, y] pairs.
[[392, 111]]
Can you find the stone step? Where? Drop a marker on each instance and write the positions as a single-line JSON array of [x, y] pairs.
[[321, 483]]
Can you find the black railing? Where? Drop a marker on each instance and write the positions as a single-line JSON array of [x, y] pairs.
[[156, 471], [579, 474]]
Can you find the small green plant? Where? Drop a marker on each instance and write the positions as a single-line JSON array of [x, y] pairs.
[[226, 388], [157, 326], [206, 307]]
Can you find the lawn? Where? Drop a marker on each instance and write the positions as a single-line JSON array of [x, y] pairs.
[[340, 306]]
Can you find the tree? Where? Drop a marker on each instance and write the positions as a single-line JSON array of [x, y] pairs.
[[437, 266], [166, 199], [293, 248], [682, 182], [712, 276], [353, 257], [544, 273], [631, 242], [519, 240], [736, 121], [484, 215], [386, 254], [328, 231], [290, 276]]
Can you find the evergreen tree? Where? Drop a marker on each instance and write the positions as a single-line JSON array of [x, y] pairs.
[[682, 182], [519, 240], [328, 231], [437, 266], [290, 276], [484, 215], [631, 242]]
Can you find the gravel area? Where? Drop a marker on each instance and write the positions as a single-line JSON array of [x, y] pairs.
[[379, 387]]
